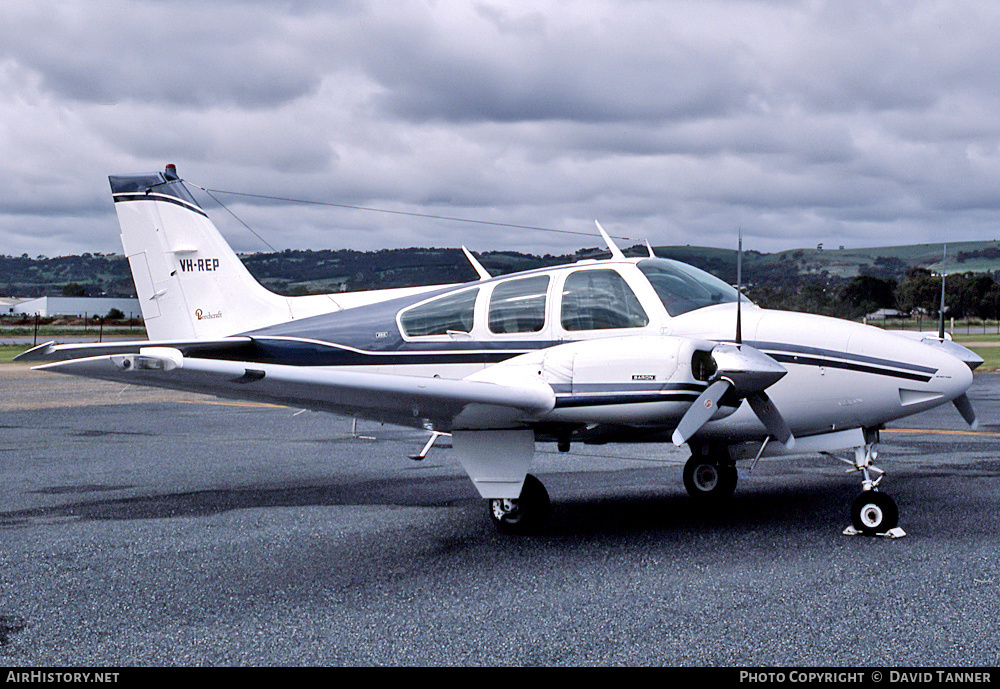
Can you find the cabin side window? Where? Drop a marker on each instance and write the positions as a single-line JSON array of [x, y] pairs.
[[518, 306], [450, 313], [600, 300]]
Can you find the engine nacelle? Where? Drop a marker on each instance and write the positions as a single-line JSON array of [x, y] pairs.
[[636, 380]]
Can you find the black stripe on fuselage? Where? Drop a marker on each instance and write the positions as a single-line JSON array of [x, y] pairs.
[[847, 366], [304, 352], [815, 356], [572, 402], [604, 394], [624, 397], [793, 350], [301, 352]]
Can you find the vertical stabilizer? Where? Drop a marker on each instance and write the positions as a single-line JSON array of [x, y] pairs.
[[190, 283]]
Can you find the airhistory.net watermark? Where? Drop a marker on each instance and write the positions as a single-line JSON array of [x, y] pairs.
[[47, 676]]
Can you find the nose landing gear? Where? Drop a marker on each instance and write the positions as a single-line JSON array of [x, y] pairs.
[[873, 513]]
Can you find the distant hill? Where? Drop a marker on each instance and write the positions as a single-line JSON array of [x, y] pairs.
[[843, 264], [893, 261], [302, 272]]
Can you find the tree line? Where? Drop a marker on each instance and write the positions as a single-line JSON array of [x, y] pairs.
[[967, 295], [886, 283]]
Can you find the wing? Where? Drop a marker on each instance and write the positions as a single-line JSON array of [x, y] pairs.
[[399, 399]]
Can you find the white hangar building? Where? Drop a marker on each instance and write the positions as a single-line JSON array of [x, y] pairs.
[[77, 306]]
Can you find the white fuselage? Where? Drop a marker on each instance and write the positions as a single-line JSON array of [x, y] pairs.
[[840, 374]]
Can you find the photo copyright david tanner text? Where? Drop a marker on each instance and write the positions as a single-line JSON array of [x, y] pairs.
[[877, 676]]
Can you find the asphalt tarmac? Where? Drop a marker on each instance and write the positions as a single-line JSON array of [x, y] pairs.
[[146, 528]]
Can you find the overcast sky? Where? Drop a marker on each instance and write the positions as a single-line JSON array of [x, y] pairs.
[[848, 122]]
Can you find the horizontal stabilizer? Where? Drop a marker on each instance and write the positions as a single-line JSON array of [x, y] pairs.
[[50, 351]]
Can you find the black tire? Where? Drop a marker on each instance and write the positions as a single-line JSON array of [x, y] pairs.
[[874, 513], [708, 480], [525, 515]]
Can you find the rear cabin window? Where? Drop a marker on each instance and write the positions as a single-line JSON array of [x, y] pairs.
[[450, 313], [518, 306], [600, 300]]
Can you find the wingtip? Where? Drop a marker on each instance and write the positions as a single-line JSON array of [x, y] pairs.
[[35, 353]]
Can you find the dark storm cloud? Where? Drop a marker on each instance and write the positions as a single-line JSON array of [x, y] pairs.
[[849, 122], [171, 53], [550, 68]]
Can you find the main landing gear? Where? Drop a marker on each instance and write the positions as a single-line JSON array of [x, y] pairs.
[[525, 514], [710, 477]]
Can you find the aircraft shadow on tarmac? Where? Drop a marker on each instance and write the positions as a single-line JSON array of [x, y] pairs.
[[659, 509]]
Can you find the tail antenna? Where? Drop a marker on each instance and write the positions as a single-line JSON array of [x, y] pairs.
[[739, 289], [944, 256]]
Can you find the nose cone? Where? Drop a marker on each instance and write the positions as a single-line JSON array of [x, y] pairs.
[[954, 374]]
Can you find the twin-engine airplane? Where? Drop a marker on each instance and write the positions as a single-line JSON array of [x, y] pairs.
[[624, 349]]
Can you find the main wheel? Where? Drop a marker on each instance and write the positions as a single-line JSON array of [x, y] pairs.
[[874, 513], [706, 479], [526, 514]]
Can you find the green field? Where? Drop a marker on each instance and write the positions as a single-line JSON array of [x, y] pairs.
[[8, 352]]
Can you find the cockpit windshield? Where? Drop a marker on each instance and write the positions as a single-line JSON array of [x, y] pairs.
[[684, 288]]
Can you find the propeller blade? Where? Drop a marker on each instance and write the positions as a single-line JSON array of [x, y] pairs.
[[772, 419], [700, 411], [964, 407]]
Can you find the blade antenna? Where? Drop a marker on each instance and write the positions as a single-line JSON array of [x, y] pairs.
[[477, 266], [944, 257], [616, 253], [739, 289]]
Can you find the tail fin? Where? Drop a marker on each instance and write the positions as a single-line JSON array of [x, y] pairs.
[[190, 283]]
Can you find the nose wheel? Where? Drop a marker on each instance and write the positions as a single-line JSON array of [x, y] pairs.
[[873, 513]]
